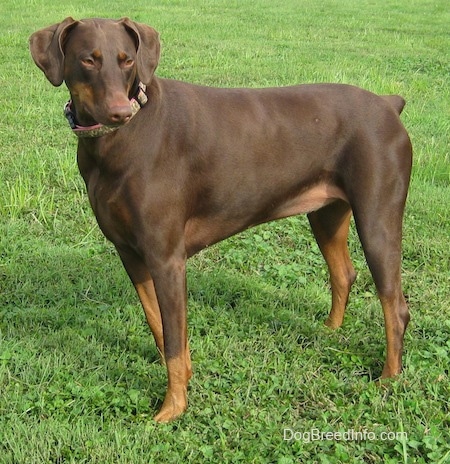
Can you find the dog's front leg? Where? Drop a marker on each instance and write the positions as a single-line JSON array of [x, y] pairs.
[[143, 282], [170, 285]]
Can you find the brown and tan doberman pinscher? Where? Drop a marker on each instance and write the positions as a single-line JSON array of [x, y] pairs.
[[172, 168]]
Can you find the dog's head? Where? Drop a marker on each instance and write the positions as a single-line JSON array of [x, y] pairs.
[[101, 62]]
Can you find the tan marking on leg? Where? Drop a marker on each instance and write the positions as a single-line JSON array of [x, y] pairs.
[[396, 318], [175, 402], [330, 226], [149, 301]]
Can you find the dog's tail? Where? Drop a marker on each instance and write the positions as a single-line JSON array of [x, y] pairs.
[[396, 101]]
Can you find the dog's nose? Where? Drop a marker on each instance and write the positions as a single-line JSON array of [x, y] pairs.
[[120, 114]]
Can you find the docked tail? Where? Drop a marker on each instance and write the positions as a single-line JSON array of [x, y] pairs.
[[396, 101]]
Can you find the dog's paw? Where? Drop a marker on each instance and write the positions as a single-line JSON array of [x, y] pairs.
[[172, 408]]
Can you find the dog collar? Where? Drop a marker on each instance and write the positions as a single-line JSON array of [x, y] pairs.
[[98, 130]]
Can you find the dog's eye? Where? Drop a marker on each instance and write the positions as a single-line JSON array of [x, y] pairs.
[[88, 62], [128, 63]]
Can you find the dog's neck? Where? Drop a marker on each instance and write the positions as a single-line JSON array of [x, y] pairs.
[[137, 101]]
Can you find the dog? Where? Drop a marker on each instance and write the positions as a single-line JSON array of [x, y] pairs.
[[171, 168]]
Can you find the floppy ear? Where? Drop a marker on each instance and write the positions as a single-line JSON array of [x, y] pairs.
[[46, 47], [147, 46]]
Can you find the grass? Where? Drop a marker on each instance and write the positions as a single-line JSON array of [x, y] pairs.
[[79, 374]]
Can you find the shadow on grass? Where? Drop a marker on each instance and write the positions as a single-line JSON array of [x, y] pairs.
[[65, 297]]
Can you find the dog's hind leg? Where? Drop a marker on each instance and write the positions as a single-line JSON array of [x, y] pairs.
[[378, 204], [380, 233], [330, 226]]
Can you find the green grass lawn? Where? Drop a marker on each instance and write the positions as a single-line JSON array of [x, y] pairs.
[[79, 374]]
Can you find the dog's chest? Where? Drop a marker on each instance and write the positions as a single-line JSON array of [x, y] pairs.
[[112, 204]]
